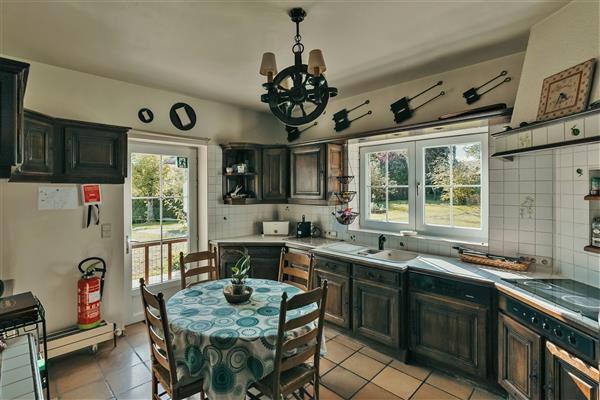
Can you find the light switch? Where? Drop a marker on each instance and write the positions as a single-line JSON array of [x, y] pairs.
[[105, 231]]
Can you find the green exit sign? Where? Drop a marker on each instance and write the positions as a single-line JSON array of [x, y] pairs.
[[182, 162]]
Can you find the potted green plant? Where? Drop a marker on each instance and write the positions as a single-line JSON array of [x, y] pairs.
[[239, 273]]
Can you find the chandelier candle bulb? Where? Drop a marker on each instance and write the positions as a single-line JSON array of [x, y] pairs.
[[268, 66], [316, 62]]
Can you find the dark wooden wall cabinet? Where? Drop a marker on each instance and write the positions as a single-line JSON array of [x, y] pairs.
[[264, 260], [313, 172], [275, 174], [13, 81], [68, 151]]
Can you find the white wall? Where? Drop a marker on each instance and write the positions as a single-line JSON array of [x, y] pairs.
[[456, 82], [566, 38], [41, 249]]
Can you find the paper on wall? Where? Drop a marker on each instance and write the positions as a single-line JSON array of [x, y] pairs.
[[57, 198]]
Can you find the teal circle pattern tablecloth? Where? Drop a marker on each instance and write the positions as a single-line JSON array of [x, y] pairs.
[[229, 345]]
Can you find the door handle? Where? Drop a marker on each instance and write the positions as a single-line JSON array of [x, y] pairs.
[[127, 244], [418, 187]]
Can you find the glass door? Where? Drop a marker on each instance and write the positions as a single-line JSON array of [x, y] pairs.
[[161, 204]]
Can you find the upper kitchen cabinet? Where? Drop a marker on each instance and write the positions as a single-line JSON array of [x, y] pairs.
[[13, 80], [92, 152], [313, 172], [38, 146], [275, 174]]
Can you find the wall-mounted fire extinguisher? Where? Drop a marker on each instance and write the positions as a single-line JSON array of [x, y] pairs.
[[89, 293]]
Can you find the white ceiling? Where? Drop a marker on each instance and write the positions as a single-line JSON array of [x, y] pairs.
[[212, 49]]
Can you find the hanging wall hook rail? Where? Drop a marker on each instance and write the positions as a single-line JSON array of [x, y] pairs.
[[472, 95]]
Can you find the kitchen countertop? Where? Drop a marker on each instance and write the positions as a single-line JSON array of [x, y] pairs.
[[438, 265]]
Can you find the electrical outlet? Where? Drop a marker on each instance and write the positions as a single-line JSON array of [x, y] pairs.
[[331, 234], [105, 231], [538, 260]]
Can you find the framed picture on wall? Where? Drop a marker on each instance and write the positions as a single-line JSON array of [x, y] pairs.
[[566, 92]]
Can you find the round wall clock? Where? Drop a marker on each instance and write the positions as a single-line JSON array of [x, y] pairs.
[[183, 116], [146, 115]]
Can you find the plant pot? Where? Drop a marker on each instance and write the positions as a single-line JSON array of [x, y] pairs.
[[237, 298], [237, 289]]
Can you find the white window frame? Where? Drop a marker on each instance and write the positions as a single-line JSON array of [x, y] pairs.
[[416, 200], [366, 194], [480, 233]]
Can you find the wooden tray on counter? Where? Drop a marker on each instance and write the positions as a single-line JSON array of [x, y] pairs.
[[488, 262]]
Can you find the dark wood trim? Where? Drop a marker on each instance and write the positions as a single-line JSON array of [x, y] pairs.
[[591, 197], [535, 125], [403, 128], [510, 153], [592, 249]]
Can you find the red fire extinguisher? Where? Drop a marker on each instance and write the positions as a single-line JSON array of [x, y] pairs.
[[89, 293]]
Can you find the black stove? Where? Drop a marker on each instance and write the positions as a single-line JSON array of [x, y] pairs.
[[570, 294]]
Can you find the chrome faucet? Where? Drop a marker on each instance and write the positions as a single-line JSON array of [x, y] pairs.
[[381, 241]]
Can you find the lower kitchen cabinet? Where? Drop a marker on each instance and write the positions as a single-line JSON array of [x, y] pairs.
[[568, 378], [337, 307], [519, 359], [376, 312], [450, 332], [264, 262]]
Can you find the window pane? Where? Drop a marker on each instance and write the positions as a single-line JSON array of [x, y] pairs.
[[398, 205], [145, 220], [377, 169], [174, 177], [437, 206], [377, 209], [467, 164], [467, 207], [175, 221], [145, 175], [398, 168], [437, 166]]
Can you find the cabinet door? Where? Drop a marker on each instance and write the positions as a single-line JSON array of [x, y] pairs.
[[93, 154], [274, 174], [519, 359], [449, 332], [264, 262], [376, 312], [307, 173], [335, 168], [38, 148], [568, 378], [337, 306], [8, 122]]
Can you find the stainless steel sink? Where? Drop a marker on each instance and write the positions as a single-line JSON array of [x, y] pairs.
[[393, 255], [367, 252]]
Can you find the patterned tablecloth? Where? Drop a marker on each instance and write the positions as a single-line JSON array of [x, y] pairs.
[[230, 346]]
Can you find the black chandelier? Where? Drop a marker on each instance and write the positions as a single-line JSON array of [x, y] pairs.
[[298, 94]]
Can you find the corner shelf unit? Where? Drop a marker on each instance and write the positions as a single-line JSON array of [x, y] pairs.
[[250, 155]]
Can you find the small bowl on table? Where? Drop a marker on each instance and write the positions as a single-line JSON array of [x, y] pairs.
[[234, 298]]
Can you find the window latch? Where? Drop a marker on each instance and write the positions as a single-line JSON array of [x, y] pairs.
[[418, 187]]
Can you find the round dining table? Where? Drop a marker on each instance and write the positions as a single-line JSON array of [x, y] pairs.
[[229, 345]]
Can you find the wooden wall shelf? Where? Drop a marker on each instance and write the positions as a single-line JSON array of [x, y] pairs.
[[591, 197], [592, 249]]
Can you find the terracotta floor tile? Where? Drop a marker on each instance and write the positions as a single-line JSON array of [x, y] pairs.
[[413, 370], [143, 351], [480, 394], [141, 392], [330, 333], [75, 376], [348, 342], [116, 358], [65, 365], [363, 366], [343, 382], [324, 393], [325, 366], [451, 385], [397, 382], [337, 352], [138, 327], [90, 391], [124, 379], [428, 392], [372, 391], [382, 358]]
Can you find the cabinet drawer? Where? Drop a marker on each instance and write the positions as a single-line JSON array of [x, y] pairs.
[[332, 266], [377, 275]]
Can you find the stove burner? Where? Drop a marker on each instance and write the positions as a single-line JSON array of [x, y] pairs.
[[537, 285], [581, 301]]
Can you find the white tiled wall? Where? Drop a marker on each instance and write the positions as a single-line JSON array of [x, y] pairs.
[[572, 213]]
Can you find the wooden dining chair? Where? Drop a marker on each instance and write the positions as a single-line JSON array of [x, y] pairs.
[[209, 256], [296, 269], [292, 373], [161, 351]]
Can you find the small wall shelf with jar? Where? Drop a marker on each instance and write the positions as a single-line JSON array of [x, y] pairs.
[[594, 198]]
